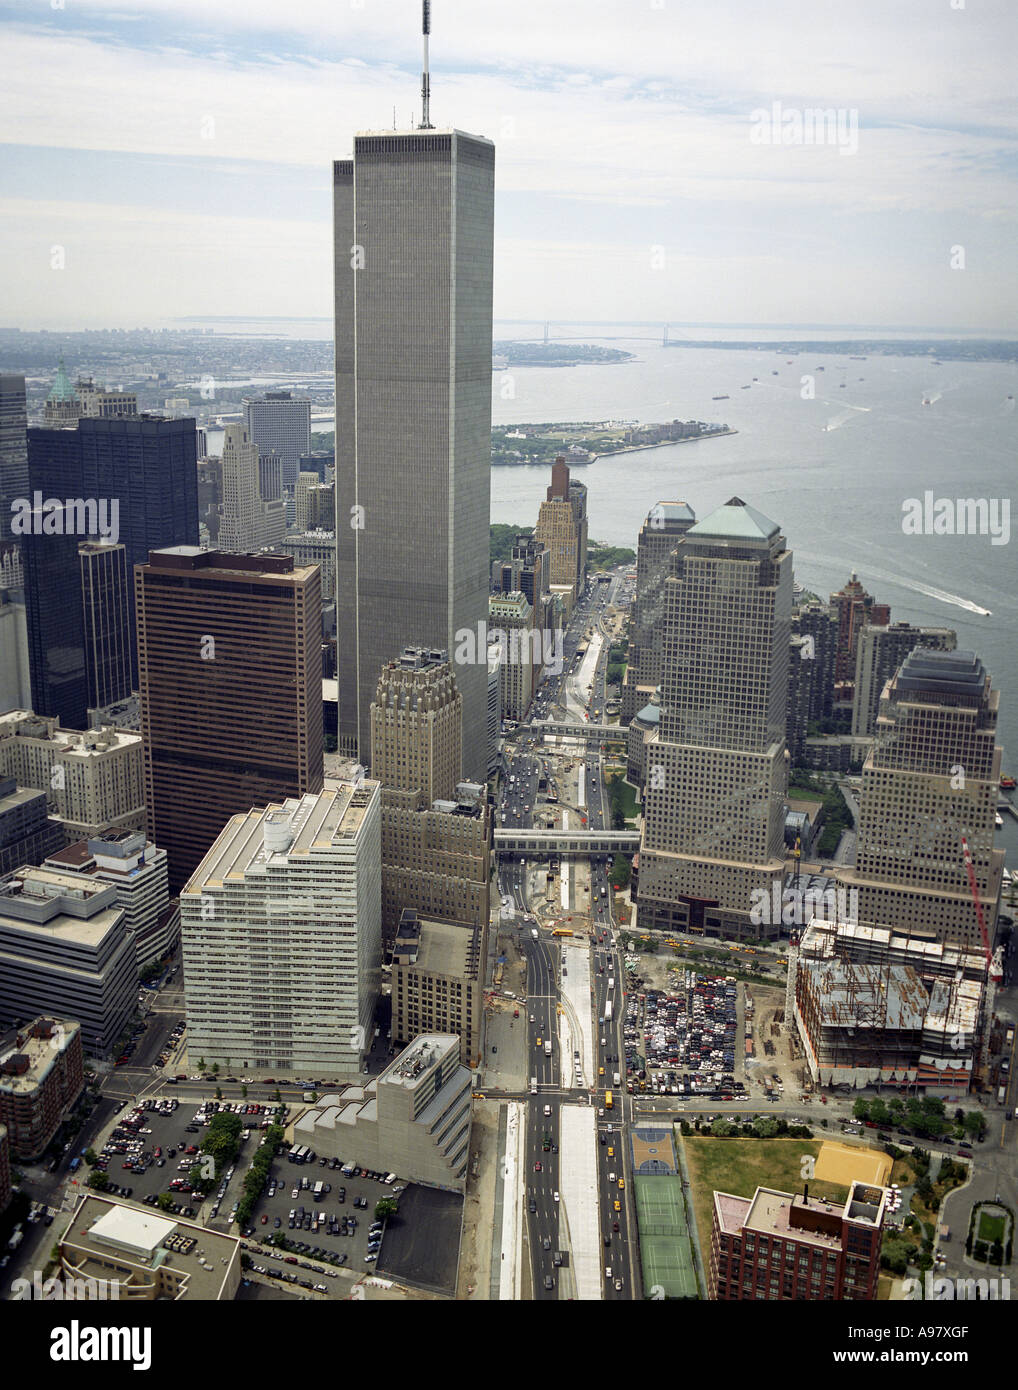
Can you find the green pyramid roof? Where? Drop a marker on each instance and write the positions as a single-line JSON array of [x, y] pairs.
[[62, 388]]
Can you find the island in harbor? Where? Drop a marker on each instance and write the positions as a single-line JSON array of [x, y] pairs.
[[584, 441], [521, 354]]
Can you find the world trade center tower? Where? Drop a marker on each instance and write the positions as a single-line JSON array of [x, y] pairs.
[[414, 218]]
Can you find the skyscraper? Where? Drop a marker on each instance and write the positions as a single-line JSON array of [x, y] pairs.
[[416, 725], [56, 634], [562, 529], [930, 781], [280, 423], [659, 535], [144, 464], [879, 653], [855, 608], [414, 214], [230, 660], [713, 832], [281, 936], [13, 456], [250, 521], [106, 610]]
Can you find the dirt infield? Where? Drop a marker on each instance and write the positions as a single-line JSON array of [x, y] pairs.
[[845, 1163]]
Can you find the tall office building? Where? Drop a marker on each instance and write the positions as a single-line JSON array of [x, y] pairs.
[[562, 530], [416, 725], [930, 781], [281, 936], [511, 617], [13, 456], [854, 608], [62, 405], [280, 423], [230, 660], [414, 217], [714, 813], [818, 624], [659, 535], [144, 464], [106, 614], [249, 520], [879, 653], [54, 618]]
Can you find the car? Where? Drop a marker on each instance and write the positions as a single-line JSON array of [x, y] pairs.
[[615, 1224], [556, 1196], [537, 1166], [607, 1239], [532, 1207], [618, 1205]]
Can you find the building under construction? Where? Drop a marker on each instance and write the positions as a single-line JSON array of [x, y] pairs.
[[876, 1007]]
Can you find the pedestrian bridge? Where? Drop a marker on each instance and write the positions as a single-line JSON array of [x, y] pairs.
[[542, 844], [589, 733]]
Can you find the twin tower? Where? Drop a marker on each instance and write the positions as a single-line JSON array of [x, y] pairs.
[[414, 225]]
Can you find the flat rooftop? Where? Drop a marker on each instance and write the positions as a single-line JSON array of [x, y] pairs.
[[417, 1060], [103, 1229], [445, 948], [41, 1054]]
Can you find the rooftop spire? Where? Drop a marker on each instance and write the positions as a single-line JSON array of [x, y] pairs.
[[426, 76]]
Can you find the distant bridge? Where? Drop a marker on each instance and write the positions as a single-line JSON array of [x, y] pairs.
[[542, 844]]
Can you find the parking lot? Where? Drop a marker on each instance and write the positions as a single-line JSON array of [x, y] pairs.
[[153, 1146], [337, 1228], [683, 1043]]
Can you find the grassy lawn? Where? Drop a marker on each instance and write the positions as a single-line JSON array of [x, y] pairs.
[[991, 1228], [740, 1166], [627, 799]]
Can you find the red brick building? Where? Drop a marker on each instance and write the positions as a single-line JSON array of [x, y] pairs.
[[42, 1073], [776, 1247]]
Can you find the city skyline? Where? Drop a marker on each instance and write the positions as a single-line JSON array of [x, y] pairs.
[[633, 142]]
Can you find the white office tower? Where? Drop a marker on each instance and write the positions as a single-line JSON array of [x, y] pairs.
[[282, 937], [714, 795]]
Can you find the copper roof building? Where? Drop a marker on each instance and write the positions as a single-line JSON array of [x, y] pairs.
[[230, 665]]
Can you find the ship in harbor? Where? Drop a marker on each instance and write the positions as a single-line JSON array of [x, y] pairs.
[[719, 398]]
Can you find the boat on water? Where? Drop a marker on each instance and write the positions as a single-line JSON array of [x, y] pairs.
[[773, 373], [747, 386], [927, 401], [1007, 783], [719, 398], [856, 358]]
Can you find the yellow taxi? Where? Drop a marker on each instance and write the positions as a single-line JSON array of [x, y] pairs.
[[622, 1183], [618, 1205]]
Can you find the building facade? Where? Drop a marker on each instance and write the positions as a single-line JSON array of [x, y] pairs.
[[666, 523], [106, 611], [417, 725], [714, 805], [929, 789], [414, 236], [280, 423], [65, 949], [879, 653], [437, 981], [230, 663], [777, 1247], [282, 938], [42, 1074], [562, 531]]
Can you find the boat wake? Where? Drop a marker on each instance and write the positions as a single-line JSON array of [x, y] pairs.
[[941, 595]]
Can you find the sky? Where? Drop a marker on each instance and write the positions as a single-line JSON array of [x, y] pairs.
[[656, 160]]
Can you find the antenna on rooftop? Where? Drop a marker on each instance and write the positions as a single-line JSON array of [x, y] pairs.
[[426, 76]]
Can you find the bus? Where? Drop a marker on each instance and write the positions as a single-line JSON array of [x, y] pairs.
[[562, 931], [547, 1047], [608, 1102]]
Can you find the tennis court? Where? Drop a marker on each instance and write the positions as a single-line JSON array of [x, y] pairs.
[[665, 1250]]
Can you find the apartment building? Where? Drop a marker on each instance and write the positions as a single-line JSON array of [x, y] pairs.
[[437, 981], [42, 1074]]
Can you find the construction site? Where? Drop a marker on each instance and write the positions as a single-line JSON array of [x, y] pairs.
[[876, 1007]]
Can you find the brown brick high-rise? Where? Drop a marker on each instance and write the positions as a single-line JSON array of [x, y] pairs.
[[230, 666]]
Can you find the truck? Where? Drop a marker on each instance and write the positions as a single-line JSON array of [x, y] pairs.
[[608, 1012], [318, 1191], [75, 1164], [17, 1236], [547, 1047], [604, 891], [534, 933], [533, 1085], [1001, 1093], [611, 981]]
